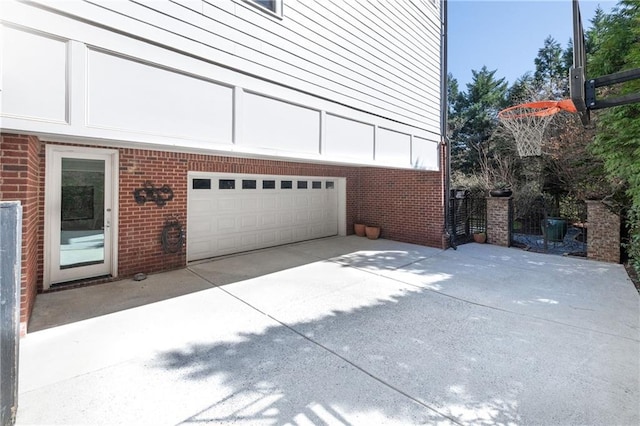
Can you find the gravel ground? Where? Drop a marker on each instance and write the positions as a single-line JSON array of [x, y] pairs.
[[570, 246]]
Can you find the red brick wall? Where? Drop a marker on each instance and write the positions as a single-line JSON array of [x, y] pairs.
[[140, 225], [498, 229], [603, 233], [20, 181], [410, 209], [406, 204]]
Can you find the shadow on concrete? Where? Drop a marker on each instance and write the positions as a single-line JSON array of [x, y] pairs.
[[77, 304], [351, 251], [410, 356], [368, 333], [393, 361]]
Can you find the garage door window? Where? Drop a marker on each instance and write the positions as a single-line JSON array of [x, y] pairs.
[[316, 184], [286, 184], [302, 184], [226, 184], [268, 184], [201, 184], [248, 184], [330, 185]]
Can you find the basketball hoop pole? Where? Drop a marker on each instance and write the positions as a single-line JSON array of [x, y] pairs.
[[577, 71]]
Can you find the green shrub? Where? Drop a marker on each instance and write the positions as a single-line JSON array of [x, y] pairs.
[[633, 244]]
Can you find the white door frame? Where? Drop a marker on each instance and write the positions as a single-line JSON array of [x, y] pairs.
[[54, 153], [342, 206]]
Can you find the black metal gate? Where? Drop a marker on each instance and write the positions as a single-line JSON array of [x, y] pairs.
[[468, 211], [550, 224], [10, 259]]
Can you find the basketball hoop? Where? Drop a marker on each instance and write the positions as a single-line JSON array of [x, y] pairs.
[[528, 122]]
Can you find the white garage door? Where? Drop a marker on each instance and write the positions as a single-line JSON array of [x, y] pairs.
[[230, 213]]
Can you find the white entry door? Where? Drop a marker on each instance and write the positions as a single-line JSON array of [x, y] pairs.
[[231, 213], [80, 214]]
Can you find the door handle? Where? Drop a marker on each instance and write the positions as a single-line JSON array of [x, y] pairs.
[[107, 223]]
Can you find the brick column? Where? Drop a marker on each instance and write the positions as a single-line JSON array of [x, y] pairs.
[[498, 213], [603, 233]]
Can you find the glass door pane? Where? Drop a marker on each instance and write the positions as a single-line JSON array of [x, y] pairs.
[[82, 209]]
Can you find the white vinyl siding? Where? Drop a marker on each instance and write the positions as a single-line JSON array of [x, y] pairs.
[[226, 76], [381, 57], [198, 108]]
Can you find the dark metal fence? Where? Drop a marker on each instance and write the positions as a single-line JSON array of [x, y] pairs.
[[10, 259], [468, 214], [548, 224]]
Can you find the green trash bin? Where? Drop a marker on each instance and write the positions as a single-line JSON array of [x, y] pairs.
[[554, 229]]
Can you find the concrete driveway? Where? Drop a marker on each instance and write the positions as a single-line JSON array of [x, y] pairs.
[[343, 331]]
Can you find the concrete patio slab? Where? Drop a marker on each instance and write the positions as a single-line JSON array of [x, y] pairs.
[[219, 361], [355, 332], [591, 295], [66, 306]]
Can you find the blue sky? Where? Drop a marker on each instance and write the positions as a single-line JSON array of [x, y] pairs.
[[506, 35]]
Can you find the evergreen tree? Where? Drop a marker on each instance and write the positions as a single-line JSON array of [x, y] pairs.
[[616, 47], [552, 72], [594, 34], [475, 114], [618, 137], [567, 56]]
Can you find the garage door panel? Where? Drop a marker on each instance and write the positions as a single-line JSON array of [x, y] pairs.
[[286, 235], [202, 205], [302, 201], [317, 230], [269, 220], [300, 234], [269, 238], [200, 247], [249, 241], [201, 227], [285, 201], [227, 244], [285, 218], [224, 203], [317, 215], [249, 221], [302, 216], [227, 219], [318, 200], [249, 203], [269, 202], [225, 225]]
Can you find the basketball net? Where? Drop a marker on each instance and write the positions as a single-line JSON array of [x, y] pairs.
[[528, 122]]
